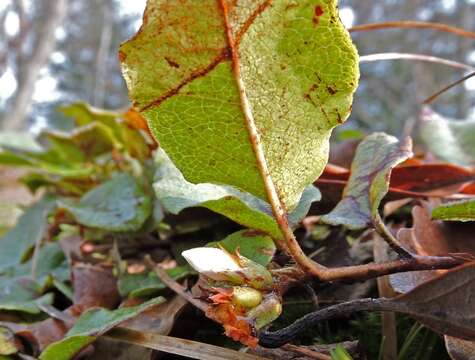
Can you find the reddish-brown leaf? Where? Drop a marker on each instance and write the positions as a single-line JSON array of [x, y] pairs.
[[94, 286], [429, 237], [415, 180]]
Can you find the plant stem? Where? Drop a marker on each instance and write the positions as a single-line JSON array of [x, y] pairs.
[[373, 270], [278, 208], [280, 337], [414, 57], [175, 286], [389, 238], [414, 25], [431, 98]]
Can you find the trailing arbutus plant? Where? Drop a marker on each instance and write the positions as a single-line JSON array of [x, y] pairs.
[[226, 148], [242, 97]]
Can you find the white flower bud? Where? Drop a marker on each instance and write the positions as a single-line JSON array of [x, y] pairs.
[[211, 262]]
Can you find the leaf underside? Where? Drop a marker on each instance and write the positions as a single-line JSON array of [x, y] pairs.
[[374, 160], [286, 67]]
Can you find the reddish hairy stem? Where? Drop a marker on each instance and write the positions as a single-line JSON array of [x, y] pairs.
[[278, 208], [414, 25]]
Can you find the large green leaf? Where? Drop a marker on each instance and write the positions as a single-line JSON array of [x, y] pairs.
[[369, 181], [176, 194], [463, 210], [246, 85], [119, 204], [89, 326], [29, 230], [450, 140]]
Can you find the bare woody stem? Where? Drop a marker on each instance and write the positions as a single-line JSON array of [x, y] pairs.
[[373, 270], [173, 285], [431, 98], [414, 25], [389, 238]]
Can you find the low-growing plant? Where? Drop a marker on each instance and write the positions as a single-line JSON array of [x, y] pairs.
[[234, 103]]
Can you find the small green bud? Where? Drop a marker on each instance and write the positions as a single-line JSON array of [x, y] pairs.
[[246, 297]]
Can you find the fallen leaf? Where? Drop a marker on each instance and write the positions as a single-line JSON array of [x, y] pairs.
[[459, 349], [94, 286], [445, 303], [159, 319], [429, 237]]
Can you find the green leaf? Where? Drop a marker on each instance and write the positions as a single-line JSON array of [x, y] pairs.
[[83, 143], [119, 204], [176, 194], [339, 353], [449, 139], [256, 246], [52, 263], [226, 96], [22, 294], [371, 169], [147, 283], [90, 325], [463, 210], [66, 349], [7, 342], [44, 162], [28, 231], [20, 141], [84, 114]]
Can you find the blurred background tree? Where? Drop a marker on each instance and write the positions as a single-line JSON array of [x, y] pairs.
[[81, 61]]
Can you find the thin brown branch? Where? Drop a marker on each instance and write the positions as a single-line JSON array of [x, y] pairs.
[[434, 96], [175, 286], [389, 238], [414, 25], [415, 57]]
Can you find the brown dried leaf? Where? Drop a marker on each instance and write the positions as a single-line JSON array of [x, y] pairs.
[[159, 319], [431, 238], [459, 349], [445, 304], [94, 286]]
